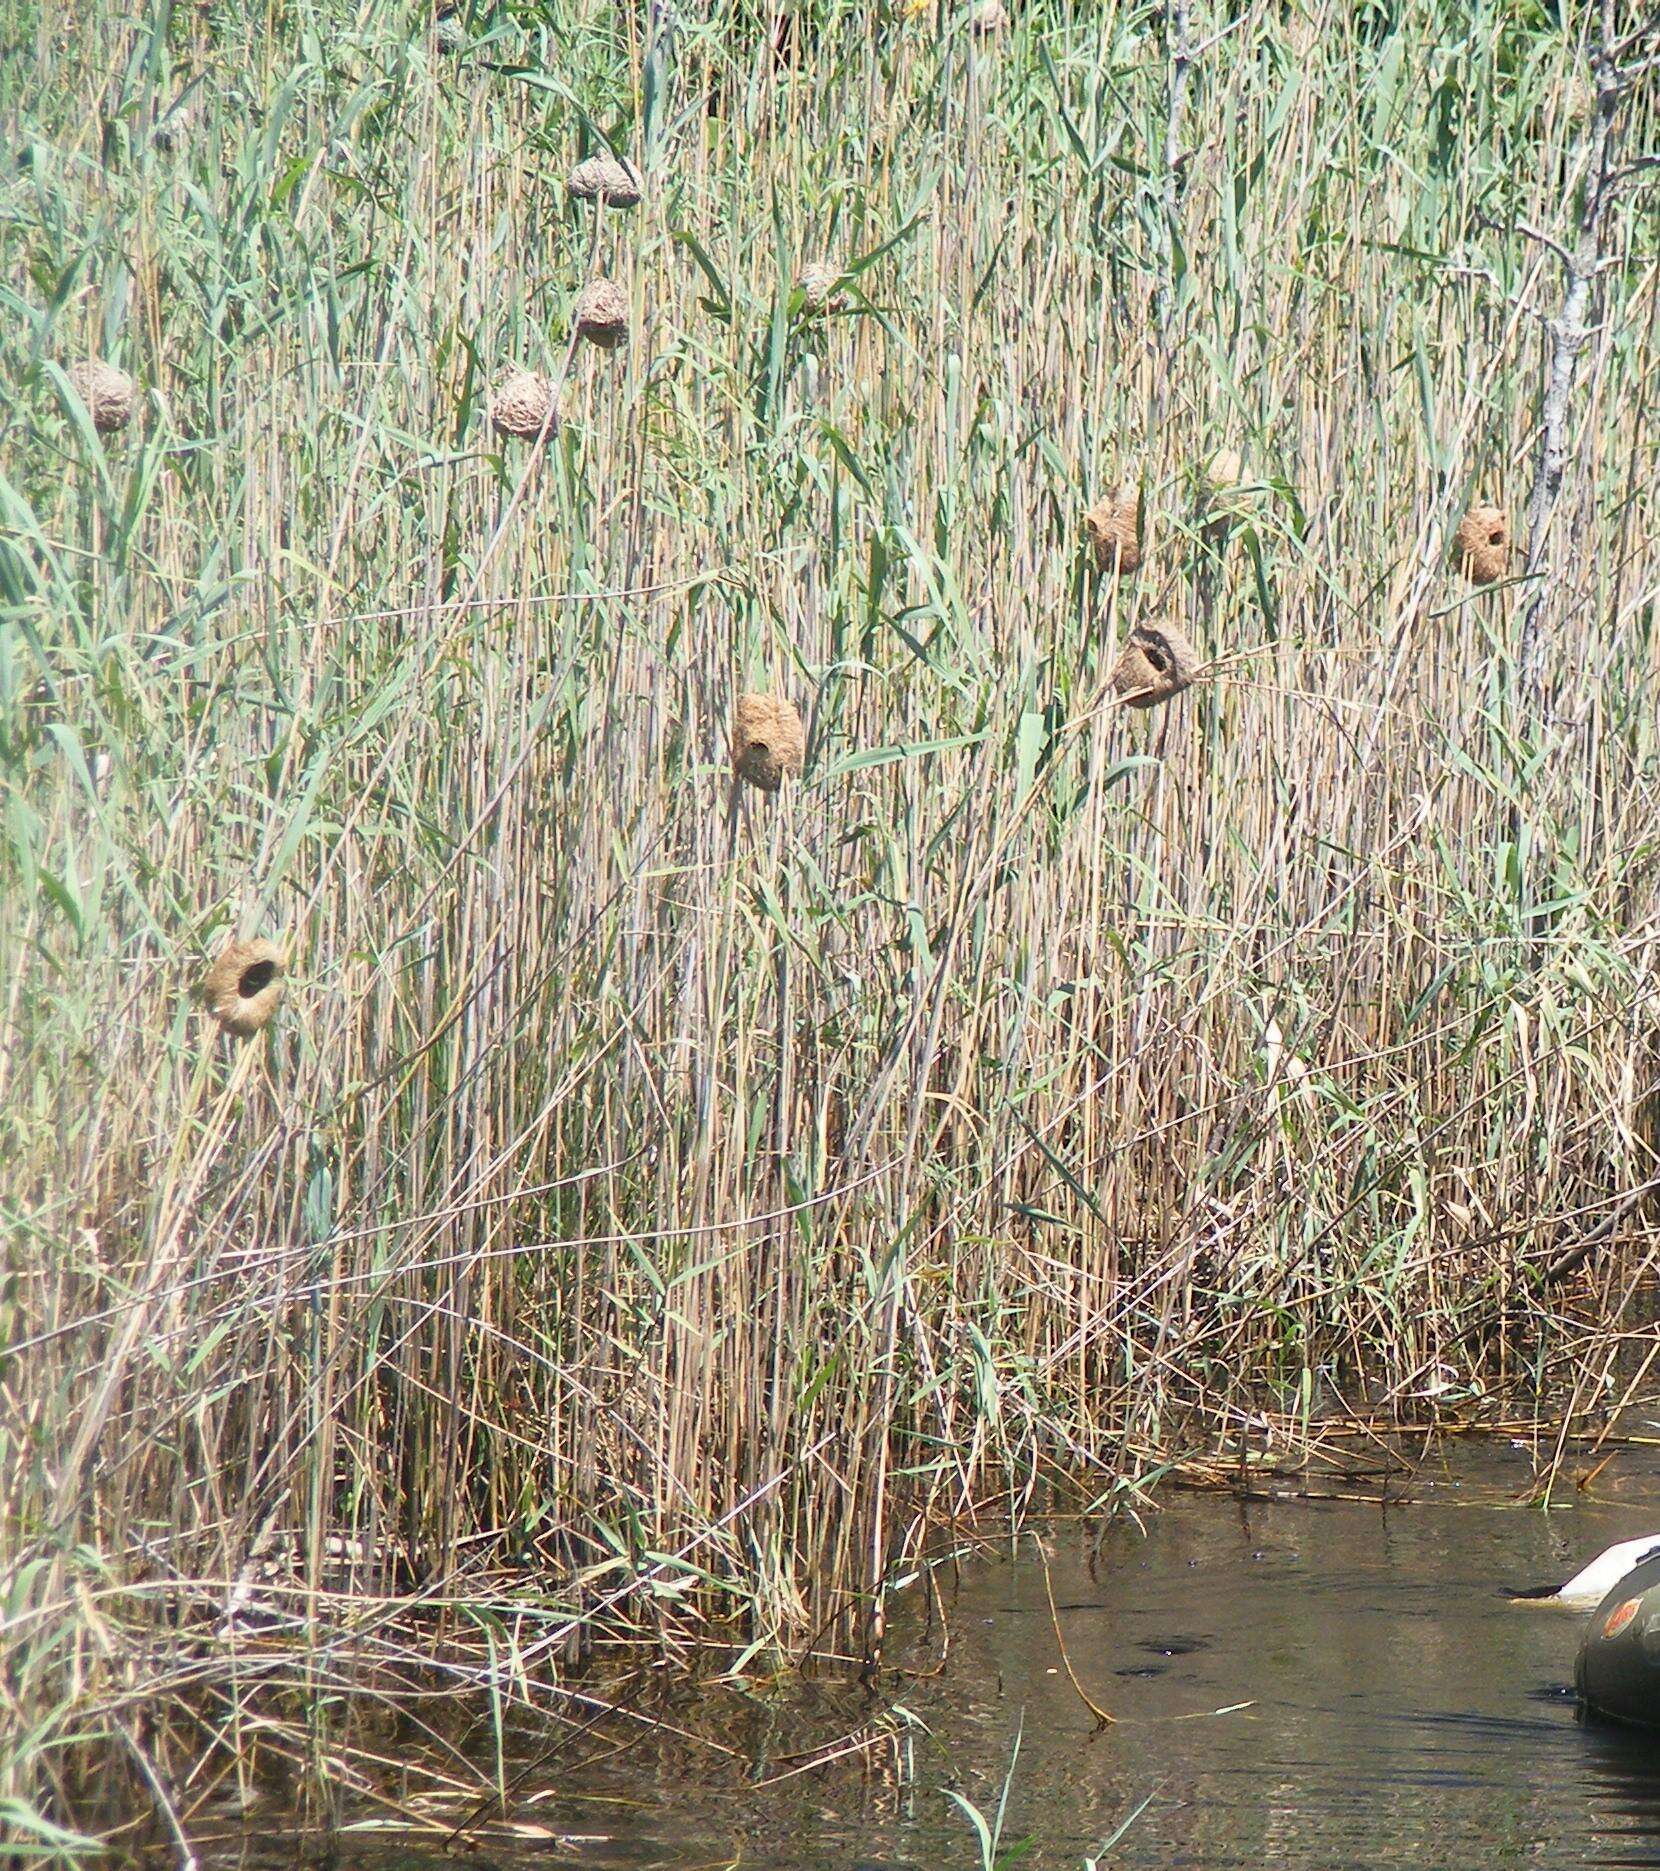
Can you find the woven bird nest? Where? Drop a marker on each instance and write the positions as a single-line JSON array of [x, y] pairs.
[[1156, 662], [611, 180], [768, 741], [1482, 544], [109, 394], [602, 313], [819, 286], [523, 406], [244, 986], [1224, 473], [990, 16], [448, 33], [1114, 528]]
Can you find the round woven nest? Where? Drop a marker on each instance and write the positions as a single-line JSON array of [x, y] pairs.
[[1156, 662], [523, 406], [1114, 528], [244, 987], [109, 394], [1482, 544], [768, 741], [602, 313], [820, 287], [612, 180]]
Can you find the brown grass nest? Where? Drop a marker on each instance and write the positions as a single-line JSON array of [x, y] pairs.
[[1114, 528], [1156, 663], [602, 313], [109, 394], [768, 741], [820, 289], [523, 406], [612, 180], [244, 987], [1482, 544]]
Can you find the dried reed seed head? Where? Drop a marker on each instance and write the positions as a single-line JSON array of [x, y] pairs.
[[990, 16], [1114, 527], [244, 986], [602, 312], [1483, 544], [818, 285], [108, 393], [768, 740], [1156, 662], [523, 406], [609, 179]]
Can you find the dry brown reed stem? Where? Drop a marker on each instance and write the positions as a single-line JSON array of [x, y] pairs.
[[767, 740], [1156, 663], [612, 181], [1114, 528], [244, 987], [601, 314], [524, 406], [109, 394], [1482, 545]]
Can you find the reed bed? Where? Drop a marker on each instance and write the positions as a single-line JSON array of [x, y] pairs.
[[657, 1205]]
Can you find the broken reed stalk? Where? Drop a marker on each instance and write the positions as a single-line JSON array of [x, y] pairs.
[[1597, 178]]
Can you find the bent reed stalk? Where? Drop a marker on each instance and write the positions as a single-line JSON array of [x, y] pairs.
[[655, 1207]]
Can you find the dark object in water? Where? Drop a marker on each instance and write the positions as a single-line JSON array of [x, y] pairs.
[[1143, 1669], [1174, 1646], [1618, 1669]]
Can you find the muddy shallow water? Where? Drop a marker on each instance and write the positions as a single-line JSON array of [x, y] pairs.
[[1402, 1712]]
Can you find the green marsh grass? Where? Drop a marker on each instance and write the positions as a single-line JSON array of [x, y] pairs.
[[653, 1212]]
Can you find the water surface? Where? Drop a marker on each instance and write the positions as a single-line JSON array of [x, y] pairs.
[[1401, 1711]]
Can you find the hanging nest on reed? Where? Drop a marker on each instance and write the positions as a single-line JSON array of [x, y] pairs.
[[175, 126], [1156, 663], [1482, 545], [1224, 472], [610, 180], [109, 394], [989, 16], [523, 406], [243, 988], [768, 741], [820, 287], [602, 313], [1114, 528], [448, 33]]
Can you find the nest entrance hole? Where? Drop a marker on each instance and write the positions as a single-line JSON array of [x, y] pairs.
[[256, 979]]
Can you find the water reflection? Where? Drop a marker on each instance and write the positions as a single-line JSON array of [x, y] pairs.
[[1397, 1711]]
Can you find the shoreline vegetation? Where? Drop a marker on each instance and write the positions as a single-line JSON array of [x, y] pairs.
[[933, 732]]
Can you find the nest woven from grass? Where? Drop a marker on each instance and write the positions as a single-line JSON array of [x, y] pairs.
[[448, 32], [1482, 544], [612, 180], [1156, 663], [989, 16], [602, 313], [109, 394], [244, 987], [768, 740], [819, 286], [1114, 528], [523, 406]]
